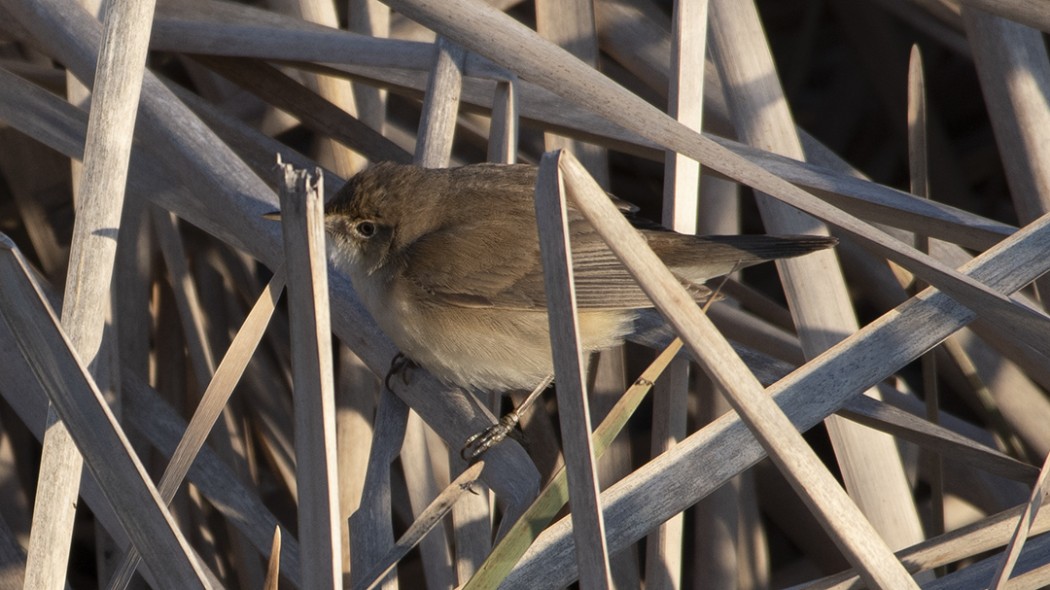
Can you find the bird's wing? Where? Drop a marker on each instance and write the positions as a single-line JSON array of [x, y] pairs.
[[498, 272]]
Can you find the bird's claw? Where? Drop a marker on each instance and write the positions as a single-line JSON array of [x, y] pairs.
[[398, 364], [478, 444]]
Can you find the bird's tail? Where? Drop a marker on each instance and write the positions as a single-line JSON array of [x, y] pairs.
[[712, 256]]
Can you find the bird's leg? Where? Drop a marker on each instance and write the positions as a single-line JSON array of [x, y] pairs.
[[481, 442]]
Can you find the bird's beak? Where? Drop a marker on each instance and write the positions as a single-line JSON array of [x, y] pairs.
[[272, 216]]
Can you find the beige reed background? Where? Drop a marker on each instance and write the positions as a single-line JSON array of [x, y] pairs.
[[872, 416]]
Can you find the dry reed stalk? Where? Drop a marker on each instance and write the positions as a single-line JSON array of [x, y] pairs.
[[356, 393], [205, 168], [1024, 406], [570, 25], [638, 26], [503, 133], [336, 156], [730, 548], [1033, 15], [918, 169], [302, 223], [31, 406], [1016, 105], [680, 209], [914, 429], [107, 149], [234, 218], [425, 477], [554, 497], [356, 386], [438, 123], [592, 554], [370, 18], [988, 533], [92, 426], [837, 183], [1025, 524], [814, 285], [852, 534], [371, 526], [31, 196], [310, 109]]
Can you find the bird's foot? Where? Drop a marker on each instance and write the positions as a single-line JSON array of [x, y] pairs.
[[478, 444], [399, 365], [481, 442]]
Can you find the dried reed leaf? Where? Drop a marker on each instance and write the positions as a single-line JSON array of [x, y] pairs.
[[212, 403], [1024, 527], [423, 524], [273, 569]]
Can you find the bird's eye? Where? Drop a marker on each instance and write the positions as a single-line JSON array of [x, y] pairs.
[[365, 229]]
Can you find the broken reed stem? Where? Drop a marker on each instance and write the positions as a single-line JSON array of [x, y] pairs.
[[302, 221], [984, 236]]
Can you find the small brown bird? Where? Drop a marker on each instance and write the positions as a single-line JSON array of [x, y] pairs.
[[447, 261]]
